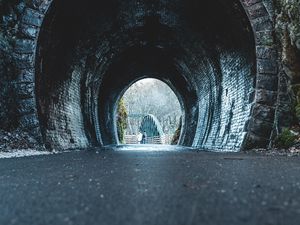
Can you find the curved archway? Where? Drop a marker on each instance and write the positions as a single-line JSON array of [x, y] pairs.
[[235, 79], [151, 126], [122, 74], [153, 101]]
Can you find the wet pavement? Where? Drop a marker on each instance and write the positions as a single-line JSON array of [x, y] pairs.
[[126, 186]]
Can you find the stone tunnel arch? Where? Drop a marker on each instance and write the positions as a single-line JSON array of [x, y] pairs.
[[151, 125], [112, 90], [184, 97], [257, 122]]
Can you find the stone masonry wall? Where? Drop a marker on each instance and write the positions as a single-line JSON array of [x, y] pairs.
[[237, 84]]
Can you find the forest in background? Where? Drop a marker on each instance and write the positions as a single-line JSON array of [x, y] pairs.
[[151, 96]]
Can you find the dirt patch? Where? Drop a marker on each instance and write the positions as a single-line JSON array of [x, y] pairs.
[[292, 151]]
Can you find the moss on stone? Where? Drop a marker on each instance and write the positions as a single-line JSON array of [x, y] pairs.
[[287, 28], [286, 139], [176, 136], [288, 19]]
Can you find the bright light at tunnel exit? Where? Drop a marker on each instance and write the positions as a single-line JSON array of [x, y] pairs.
[[150, 113]]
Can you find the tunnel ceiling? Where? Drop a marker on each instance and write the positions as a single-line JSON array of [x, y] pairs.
[[76, 58]]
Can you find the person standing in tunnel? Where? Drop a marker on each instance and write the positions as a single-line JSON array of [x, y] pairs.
[[144, 138]]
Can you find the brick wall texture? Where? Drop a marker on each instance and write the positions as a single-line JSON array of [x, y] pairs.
[[73, 60]]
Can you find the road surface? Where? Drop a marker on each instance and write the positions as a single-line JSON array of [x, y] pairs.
[[179, 187]]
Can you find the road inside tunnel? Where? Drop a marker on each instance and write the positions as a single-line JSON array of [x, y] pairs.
[[150, 187]]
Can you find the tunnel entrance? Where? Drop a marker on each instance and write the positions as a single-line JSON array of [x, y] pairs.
[[149, 108], [78, 56]]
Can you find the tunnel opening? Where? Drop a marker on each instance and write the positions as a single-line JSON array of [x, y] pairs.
[[149, 112], [87, 52]]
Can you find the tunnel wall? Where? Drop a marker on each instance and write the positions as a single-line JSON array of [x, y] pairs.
[[252, 128], [227, 107], [150, 63], [68, 126]]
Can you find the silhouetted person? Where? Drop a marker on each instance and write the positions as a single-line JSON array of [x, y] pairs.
[[144, 138]]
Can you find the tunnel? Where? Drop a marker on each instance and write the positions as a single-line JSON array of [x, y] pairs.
[[77, 58]]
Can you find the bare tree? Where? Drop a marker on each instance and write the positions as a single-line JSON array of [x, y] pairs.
[[152, 96]]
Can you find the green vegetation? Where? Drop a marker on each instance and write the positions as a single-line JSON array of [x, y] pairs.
[[287, 28], [176, 136], [296, 89], [122, 120], [286, 139], [287, 22]]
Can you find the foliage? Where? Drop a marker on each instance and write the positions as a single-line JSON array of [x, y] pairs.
[[287, 27], [287, 20], [176, 136], [122, 120], [286, 139], [152, 96]]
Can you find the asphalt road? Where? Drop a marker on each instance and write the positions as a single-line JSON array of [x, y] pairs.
[[150, 187]]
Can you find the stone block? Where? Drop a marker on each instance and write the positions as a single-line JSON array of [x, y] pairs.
[[257, 10], [25, 46], [29, 121], [266, 52], [25, 90], [24, 61], [40, 5], [263, 112], [260, 128], [253, 141], [284, 117], [266, 97], [25, 76], [264, 38], [266, 66], [262, 24], [32, 17], [250, 2], [27, 106], [267, 82], [28, 31]]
